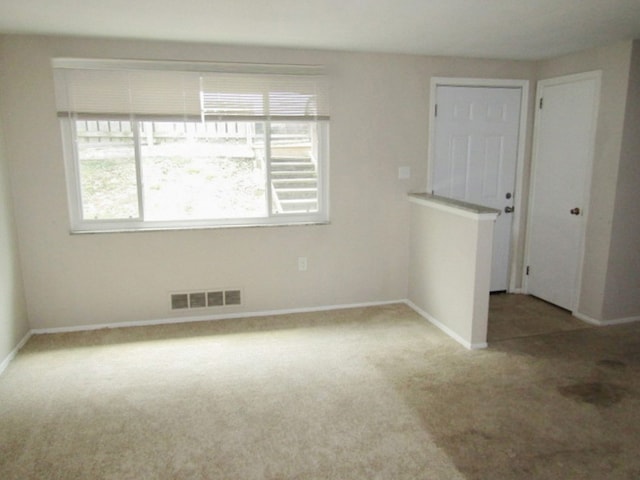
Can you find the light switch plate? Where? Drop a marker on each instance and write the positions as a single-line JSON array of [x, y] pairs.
[[302, 264]]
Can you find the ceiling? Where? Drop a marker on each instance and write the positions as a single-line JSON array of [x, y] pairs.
[[508, 29]]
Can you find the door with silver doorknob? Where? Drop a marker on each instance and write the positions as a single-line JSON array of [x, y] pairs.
[[563, 146], [475, 154]]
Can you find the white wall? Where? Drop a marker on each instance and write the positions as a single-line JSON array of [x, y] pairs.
[[379, 122], [13, 314], [622, 295]]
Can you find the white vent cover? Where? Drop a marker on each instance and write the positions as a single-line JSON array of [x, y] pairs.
[[205, 298]]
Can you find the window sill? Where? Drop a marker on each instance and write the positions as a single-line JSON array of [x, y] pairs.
[[191, 228]]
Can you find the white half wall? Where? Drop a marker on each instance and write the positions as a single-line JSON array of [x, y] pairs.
[[450, 266]]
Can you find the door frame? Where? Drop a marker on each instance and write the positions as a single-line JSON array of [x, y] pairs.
[[591, 75], [523, 86]]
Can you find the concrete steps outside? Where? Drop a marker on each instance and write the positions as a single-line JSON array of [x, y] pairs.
[[295, 184]]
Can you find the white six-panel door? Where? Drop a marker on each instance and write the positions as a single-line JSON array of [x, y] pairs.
[[475, 155], [563, 151]]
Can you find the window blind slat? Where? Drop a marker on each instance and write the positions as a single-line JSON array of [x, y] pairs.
[[115, 89], [264, 95], [134, 92]]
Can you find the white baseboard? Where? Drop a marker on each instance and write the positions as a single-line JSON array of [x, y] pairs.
[[208, 318], [14, 352], [445, 329], [604, 323]]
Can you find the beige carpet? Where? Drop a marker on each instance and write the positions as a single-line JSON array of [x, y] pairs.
[[371, 393], [513, 316]]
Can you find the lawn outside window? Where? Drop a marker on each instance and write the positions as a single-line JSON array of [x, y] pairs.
[[166, 145]]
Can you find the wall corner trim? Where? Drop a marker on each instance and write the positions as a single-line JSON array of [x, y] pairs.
[[445, 329], [5, 363], [604, 323]]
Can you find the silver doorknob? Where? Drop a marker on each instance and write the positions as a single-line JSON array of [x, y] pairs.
[[575, 211], [508, 209]]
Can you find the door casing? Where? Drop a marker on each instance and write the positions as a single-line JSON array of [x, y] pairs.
[[523, 85]]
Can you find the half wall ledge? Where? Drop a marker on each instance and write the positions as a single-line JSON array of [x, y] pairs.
[[450, 265]]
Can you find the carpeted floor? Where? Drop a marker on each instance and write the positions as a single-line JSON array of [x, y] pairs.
[[513, 316], [368, 393]]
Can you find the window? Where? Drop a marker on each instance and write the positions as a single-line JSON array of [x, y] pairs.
[[159, 145]]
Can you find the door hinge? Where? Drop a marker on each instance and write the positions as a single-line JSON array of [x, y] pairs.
[[436, 112], [541, 102], [527, 273]]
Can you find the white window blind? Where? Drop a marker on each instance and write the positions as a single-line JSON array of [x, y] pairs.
[[167, 144], [277, 97], [189, 89]]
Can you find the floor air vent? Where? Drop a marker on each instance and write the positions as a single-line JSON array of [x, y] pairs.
[[232, 297], [197, 300], [205, 299], [215, 299], [179, 301]]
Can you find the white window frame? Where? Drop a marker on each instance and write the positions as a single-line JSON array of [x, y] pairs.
[[78, 224]]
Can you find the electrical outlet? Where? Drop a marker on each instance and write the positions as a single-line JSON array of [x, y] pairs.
[[302, 264]]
